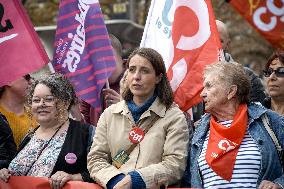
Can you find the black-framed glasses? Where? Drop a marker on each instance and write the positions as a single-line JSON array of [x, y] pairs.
[[49, 99], [279, 72]]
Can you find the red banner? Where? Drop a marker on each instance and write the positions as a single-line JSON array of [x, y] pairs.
[[185, 34], [21, 51], [25, 182], [267, 16], [196, 44]]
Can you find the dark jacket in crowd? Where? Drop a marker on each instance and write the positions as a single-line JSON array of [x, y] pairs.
[[257, 93], [8, 146], [267, 103], [78, 140]]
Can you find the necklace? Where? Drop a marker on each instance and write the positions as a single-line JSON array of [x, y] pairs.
[[46, 144]]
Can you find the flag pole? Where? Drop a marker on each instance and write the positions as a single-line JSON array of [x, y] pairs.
[[107, 84], [51, 68]]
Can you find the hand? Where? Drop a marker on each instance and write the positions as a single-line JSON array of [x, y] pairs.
[[59, 179], [111, 96], [4, 174], [266, 184], [125, 183]]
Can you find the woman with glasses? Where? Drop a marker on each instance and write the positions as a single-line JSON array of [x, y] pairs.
[[274, 78], [58, 147]]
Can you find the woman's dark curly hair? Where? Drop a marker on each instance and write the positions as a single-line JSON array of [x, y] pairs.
[[60, 87], [163, 88]]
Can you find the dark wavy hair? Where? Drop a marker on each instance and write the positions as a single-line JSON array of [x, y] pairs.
[[60, 87], [278, 54], [231, 74], [163, 88]]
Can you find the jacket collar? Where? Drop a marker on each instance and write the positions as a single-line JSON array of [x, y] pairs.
[[201, 129], [254, 112], [157, 107]]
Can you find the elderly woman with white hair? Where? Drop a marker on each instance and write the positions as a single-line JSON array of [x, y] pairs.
[[231, 146]]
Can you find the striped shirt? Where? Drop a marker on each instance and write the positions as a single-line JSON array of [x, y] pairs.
[[246, 169]]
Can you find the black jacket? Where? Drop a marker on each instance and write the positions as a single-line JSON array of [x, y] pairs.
[[257, 92], [8, 146], [78, 140]]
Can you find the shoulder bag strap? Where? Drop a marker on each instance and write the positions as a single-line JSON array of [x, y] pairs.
[[266, 124]]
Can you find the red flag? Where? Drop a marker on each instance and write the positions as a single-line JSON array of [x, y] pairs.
[[188, 43], [266, 16], [26, 182], [20, 47]]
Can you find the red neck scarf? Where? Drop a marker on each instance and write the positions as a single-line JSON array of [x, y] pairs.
[[224, 143]]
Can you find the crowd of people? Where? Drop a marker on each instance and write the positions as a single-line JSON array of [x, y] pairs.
[[142, 139]]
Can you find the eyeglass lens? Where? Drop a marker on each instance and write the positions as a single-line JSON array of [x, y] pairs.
[[279, 72]]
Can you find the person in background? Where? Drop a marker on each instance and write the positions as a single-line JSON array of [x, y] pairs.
[[109, 95], [231, 148], [12, 99], [274, 78], [257, 93], [123, 84], [8, 147], [142, 141], [225, 40], [58, 147]]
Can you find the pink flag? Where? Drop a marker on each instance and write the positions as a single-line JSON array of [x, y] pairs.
[[21, 51], [185, 33]]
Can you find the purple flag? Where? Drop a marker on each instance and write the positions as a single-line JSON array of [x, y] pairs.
[[82, 48]]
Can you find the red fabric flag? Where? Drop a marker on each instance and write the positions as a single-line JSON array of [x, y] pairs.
[[21, 51], [185, 33], [26, 182], [266, 16]]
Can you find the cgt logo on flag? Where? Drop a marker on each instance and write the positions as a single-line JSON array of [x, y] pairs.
[[266, 16], [184, 32], [184, 42]]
